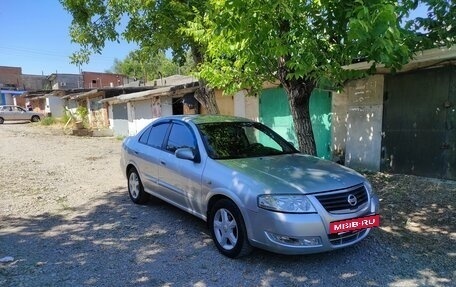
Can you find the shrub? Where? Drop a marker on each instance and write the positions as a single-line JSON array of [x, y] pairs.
[[83, 115], [66, 117], [47, 121]]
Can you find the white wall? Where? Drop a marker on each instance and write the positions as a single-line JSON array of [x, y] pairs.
[[246, 106], [357, 122], [166, 106], [143, 113], [54, 105]]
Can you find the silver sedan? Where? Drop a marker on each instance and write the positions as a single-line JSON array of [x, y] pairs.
[[16, 113], [252, 187]]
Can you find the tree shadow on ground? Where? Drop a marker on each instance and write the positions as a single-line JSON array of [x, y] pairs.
[[116, 243]]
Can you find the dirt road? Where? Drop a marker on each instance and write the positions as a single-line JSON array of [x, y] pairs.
[[66, 220]]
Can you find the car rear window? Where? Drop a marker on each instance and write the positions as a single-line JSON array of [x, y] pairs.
[[157, 135]]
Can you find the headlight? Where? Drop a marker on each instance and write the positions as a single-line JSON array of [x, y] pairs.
[[286, 203]]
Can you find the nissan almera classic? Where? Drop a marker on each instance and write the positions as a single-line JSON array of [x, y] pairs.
[[251, 186]]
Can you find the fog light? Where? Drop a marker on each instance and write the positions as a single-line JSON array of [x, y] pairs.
[[294, 241]]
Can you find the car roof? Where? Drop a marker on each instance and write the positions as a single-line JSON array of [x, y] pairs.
[[203, 119]]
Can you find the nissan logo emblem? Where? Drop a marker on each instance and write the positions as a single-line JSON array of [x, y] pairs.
[[352, 200]]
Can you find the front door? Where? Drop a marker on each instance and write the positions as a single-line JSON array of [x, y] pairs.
[[181, 177]]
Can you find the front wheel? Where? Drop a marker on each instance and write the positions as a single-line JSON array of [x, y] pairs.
[[228, 229], [1, 121], [135, 188]]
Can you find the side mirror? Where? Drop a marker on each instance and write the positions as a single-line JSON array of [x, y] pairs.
[[185, 153]]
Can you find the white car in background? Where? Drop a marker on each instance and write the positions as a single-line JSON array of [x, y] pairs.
[[16, 113]]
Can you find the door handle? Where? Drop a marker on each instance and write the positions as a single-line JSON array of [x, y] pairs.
[[162, 162]]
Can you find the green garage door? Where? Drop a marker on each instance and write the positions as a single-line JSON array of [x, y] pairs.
[[275, 113]]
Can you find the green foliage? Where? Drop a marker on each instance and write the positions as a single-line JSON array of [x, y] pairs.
[[47, 121], [240, 44], [147, 66], [66, 117], [436, 29], [153, 25], [142, 65], [82, 114], [248, 43]]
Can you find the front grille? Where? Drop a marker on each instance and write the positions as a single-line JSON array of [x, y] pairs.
[[338, 239], [339, 201]]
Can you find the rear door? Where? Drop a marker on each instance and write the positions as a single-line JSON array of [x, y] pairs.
[[20, 114], [148, 153], [8, 113]]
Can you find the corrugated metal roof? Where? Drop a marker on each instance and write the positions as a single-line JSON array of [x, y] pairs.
[[164, 91], [421, 59], [76, 96]]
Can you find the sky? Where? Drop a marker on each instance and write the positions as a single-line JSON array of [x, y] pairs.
[[34, 35]]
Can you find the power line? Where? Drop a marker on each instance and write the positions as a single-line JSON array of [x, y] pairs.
[[46, 53]]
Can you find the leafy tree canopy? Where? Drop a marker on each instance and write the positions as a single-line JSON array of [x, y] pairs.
[[251, 41], [306, 44], [436, 29], [153, 25], [239, 44], [147, 66]]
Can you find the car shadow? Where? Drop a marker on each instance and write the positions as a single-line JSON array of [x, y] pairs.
[[117, 243], [15, 122]]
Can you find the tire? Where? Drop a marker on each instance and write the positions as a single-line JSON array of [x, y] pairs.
[[35, 119], [228, 229], [1, 121], [136, 188]]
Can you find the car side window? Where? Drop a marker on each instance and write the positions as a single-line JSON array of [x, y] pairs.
[[157, 135], [180, 137], [145, 136]]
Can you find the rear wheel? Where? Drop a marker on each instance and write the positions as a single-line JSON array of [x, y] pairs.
[[1, 121], [228, 229], [35, 119], [135, 188]]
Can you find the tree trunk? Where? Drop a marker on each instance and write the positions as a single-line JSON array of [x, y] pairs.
[[206, 97], [299, 92]]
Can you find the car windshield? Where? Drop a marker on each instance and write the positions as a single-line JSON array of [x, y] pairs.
[[229, 140]]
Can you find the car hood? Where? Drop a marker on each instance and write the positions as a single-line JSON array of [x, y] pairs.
[[295, 173]]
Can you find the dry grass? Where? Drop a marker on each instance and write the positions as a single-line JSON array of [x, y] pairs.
[[417, 211]]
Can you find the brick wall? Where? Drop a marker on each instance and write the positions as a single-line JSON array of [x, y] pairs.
[[94, 80], [11, 77]]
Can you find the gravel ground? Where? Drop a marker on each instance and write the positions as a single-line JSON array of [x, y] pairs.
[[66, 220]]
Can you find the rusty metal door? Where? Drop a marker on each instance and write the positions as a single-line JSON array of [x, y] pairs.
[[419, 123]]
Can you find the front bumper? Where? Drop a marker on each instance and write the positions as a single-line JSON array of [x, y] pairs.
[[287, 233]]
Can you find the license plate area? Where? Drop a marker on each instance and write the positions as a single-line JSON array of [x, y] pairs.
[[344, 226]]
